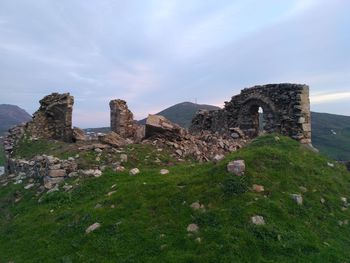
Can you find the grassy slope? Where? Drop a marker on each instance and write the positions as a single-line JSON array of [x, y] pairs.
[[2, 155], [148, 223], [336, 145]]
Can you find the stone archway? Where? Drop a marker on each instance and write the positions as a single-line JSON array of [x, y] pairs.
[[249, 119]]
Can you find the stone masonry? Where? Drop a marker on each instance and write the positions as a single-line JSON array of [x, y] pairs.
[[122, 121], [53, 120], [286, 110]]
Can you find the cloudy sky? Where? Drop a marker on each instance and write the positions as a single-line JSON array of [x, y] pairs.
[[155, 53]]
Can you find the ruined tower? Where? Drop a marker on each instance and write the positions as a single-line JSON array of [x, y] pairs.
[[53, 120], [122, 119]]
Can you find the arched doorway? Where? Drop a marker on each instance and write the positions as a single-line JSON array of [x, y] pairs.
[[256, 117]]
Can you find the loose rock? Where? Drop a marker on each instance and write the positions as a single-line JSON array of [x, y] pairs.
[[92, 228], [236, 167]]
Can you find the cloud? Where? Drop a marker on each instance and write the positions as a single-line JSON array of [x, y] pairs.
[[157, 53], [330, 97]]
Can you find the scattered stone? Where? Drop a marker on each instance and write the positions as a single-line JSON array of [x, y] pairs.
[[123, 158], [119, 169], [67, 187], [113, 139], [78, 135], [164, 171], [97, 206], [28, 186], [218, 157], [134, 171], [157, 124], [198, 240], [192, 228], [322, 200], [92, 172], [54, 189], [344, 200], [57, 173], [330, 164], [98, 150], [92, 228], [297, 198], [258, 220], [197, 206], [111, 193], [258, 188], [236, 167]]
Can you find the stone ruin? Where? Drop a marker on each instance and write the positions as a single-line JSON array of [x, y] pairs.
[[122, 121], [53, 120], [286, 110]]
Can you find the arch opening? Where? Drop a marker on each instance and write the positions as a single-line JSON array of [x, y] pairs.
[[256, 118]]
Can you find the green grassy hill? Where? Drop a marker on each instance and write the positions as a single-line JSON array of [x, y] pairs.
[[145, 220], [331, 135]]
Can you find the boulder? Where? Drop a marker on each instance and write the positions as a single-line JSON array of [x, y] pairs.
[[297, 198], [236, 167], [258, 220], [92, 228], [258, 188], [192, 228], [78, 134], [57, 173], [159, 125], [113, 139], [134, 171]]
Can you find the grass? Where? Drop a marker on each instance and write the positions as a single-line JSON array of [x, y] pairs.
[[2, 155], [145, 220]]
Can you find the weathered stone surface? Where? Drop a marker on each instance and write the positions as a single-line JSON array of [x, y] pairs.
[[258, 220], [122, 119], [286, 110], [92, 228], [236, 167], [164, 171], [57, 173], [113, 139], [53, 120], [192, 228], [258, 188], [297, 198], [157, 124], [78, 134], [134, 171]]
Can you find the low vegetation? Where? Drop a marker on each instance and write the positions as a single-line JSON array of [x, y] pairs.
[[2, 155], [146, 218]]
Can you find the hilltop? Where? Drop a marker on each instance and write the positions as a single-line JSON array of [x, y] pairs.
[[144, 218], [183, 113], [11, 115]]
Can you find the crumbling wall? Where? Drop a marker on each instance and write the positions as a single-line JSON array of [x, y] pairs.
[[122, 121], [286, 110], [53, 120]]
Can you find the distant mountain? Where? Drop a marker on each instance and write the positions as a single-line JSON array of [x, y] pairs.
[[183, 113], [11, 115]]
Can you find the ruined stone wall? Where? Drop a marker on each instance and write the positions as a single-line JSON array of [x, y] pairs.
[[286, 110], [122, 121], [53, 120]]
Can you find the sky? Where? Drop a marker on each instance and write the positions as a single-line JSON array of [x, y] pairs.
[[156, 53]]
